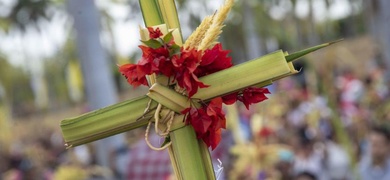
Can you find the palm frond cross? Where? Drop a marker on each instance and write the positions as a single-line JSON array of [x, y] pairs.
[[189, 155]]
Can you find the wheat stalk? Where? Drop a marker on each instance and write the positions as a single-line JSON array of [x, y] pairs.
[[215, 29], [196, 37]]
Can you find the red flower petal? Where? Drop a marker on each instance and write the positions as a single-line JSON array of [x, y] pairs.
[[154, 34], [214, 138], [189, 59], [146, 51], [208, 121], [203, 121], [133, 74], [147, 67], [215, 107], [214, 110], [166, 67], [155, 61], [190, 82], [211, 55], [127, 69], [230, 98], [199, 120], [214, 60], [253, 95]]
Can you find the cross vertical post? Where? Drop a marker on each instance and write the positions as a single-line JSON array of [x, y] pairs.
[[189, 156]]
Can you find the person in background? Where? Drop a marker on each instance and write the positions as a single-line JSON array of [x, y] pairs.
[[336, 159], [375, 163], [307, 158], [284, 165]]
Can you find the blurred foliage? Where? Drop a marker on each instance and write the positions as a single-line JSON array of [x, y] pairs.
[[55, 70], [24, 13], [16, 83]]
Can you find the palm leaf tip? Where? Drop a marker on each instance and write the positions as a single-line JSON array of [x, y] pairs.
[[299, 54]]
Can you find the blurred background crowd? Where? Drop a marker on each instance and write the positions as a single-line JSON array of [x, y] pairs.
[[329, 122]]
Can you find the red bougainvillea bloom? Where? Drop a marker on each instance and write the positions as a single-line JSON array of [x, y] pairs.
[[190, 82], [185, 66], [198, 119], [154, 34], [214, 138], [166, 67], [214, 110], [207, 121], [150, 53], [253, 95], [133, 74], [188, 59], [151, 59], [214, 60], [230, 98]]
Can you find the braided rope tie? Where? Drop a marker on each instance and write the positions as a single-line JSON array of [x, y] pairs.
[[167, 119]]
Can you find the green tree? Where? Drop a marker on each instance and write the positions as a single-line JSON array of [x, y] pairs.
[[25, 13], [16, 83]]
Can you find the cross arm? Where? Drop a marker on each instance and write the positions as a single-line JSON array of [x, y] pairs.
[[107, 122], [129, 115]]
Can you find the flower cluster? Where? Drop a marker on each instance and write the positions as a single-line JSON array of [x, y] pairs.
[[160, 55], [208, 120]]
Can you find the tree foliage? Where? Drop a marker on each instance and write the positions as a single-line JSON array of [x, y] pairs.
[[24, 13], [16, 83]]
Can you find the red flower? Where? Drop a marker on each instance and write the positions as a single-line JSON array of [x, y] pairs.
[[230, 98], [166, 67], [147, 67], [207, 121], [190, 82], [188, 59], [213, 139], [214, 60], [214, 110], [185, 65], [198, 119], [253, 95], [150, 53], [152, 58], [133, 74], [154, 34]]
